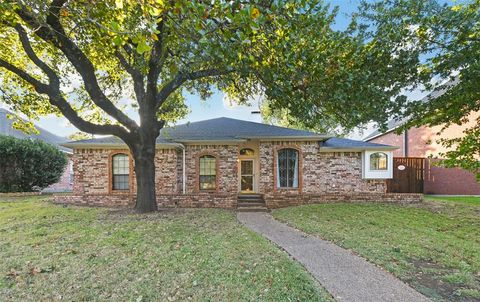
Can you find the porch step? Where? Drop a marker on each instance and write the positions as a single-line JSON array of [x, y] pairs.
[[242, 204], [252, 209], [251, 203], [250, 196], [251, 200]]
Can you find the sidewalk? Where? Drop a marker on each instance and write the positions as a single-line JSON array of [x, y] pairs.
[[346, 276]]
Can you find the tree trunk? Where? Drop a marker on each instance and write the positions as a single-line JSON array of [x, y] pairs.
[[144, 157]]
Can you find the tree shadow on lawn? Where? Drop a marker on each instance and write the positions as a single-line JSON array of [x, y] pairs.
[[442, 283]]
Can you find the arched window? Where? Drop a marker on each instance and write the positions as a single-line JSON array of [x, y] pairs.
[[247, 151], [120, 172], [287, 168], [378, 161], [208, 172]]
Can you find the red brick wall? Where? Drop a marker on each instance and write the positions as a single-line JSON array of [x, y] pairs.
[[323, 177], [445, 181], [332, 172], [287, 200], [227, 167], [422, 143]]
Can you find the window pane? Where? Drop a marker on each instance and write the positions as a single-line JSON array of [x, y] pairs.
[[247, 167], [120, 171], [120, 182], [208, 172], [288, 168], [378, 161]]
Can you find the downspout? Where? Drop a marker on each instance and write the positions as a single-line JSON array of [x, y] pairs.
[[183, 170], [405, 143]]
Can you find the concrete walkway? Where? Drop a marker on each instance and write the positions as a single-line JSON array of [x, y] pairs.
[[346, 276]]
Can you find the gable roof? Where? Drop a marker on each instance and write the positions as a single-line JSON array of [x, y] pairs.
[[223, 130], [391, 125], [6, 128]]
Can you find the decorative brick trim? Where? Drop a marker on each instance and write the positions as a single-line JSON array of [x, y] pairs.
[[274, 201], [201, 200]]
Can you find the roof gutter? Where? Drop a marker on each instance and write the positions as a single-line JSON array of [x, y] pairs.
[[112, 146], [358, 149], [296, 138]]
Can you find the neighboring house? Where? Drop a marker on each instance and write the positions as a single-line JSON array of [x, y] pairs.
[[422, 143], [211, 163], [66, 180]]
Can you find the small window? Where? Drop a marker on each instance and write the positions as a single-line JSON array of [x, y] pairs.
[[378, 161], [247, 151], [208, 172], [287, 168], [120, 172]]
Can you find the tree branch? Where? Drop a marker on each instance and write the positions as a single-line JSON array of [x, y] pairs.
[[59, 101], [154, 63], [52, 76], [136, 75], [56, 36], [38, 85], [181, 78]]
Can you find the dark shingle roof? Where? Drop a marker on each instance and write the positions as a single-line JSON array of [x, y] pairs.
[[232, 130], [344, 143], [48, 137]]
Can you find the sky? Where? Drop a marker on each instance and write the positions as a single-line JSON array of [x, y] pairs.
[[216, 105]]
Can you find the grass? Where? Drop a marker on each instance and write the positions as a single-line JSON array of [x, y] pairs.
[[469, 200], [50, 253], [434, 246]]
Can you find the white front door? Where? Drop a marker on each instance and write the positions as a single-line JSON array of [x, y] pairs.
[[247, 175]]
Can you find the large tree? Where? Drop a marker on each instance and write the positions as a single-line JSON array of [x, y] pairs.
[[443, 43], [92, 60]]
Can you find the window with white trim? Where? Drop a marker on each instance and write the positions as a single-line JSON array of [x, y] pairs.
[[287, 168], [208, 172], [120, 172]]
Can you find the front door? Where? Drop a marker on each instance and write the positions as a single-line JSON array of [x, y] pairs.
[[246, 175]]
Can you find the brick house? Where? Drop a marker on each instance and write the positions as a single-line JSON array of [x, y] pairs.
[[215, 162], [422, 143]]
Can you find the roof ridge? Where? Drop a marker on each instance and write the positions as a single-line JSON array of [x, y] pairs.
[[245, 121]]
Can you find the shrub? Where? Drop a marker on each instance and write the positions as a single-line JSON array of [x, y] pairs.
[[28, 165]]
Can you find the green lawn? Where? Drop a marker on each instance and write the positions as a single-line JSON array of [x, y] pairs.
[[49, 253], [471, 200], [434, 246]]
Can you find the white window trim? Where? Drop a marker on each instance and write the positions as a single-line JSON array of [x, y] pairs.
[[377, 174]]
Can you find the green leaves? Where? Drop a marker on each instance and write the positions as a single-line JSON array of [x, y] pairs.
[[436, 46]]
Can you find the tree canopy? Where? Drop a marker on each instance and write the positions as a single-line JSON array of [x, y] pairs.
[[95, 62], [442, 54]]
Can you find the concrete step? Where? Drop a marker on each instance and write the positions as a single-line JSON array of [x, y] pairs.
[[242, 204], [254, 200], [252, 209], [250, 196]]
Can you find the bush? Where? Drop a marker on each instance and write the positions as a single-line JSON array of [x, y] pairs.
[[27, 165]]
